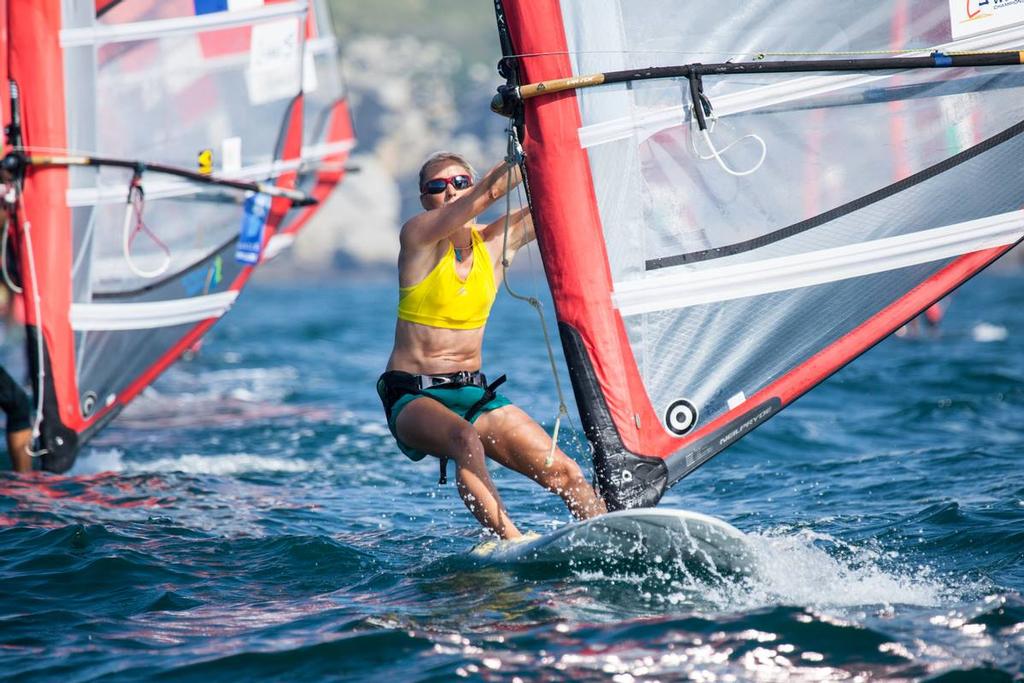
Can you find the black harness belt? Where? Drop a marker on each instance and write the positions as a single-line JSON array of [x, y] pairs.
[[400, 383]]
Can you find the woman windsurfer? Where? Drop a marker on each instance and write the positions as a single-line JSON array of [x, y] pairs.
[[436, 400]]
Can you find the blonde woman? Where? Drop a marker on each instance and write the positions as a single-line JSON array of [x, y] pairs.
[[436, 399]]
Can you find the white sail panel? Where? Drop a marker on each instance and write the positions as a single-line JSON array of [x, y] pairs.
[[831, 146]]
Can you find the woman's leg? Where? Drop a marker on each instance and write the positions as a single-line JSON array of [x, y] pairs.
[[513, 439], [426, 425]]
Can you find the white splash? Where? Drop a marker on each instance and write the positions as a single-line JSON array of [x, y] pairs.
[[986, 332], [802, 568], [232, 463], [796, 569], [95, 461]]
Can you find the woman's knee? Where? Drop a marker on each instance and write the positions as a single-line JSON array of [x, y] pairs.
[[465, 445], [562, 474]]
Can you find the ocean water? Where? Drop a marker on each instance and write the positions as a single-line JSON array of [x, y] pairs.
[[249, 518]]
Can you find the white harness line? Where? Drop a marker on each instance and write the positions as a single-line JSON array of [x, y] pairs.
[[11, 285], [716, 154], [26, 227]]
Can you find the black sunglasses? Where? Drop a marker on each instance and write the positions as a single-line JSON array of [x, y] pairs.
[[438, 185]]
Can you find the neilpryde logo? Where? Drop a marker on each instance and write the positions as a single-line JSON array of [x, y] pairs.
[[976, 10]]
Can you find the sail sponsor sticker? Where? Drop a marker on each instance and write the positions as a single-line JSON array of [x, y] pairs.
[[973, 17], [204, 280], [211, 6], [205, 161], [231, 155], [250, 236], [275, 61]]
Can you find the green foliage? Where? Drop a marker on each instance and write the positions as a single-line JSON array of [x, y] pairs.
[[468, 26]]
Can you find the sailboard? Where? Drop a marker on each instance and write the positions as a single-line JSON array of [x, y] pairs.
[[153, 148], [646, 537], [735, 199]]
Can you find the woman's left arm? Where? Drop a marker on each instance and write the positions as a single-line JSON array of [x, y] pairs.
[[520, 230]]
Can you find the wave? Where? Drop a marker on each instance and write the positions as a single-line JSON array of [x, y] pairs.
[[817, 570], [390, 655], [113, 460], [231, 463]]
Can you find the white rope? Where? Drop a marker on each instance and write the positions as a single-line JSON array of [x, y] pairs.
[[716, 154], [26, 228]]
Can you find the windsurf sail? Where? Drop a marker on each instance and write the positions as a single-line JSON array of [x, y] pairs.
[[152, 151], [735, 199]]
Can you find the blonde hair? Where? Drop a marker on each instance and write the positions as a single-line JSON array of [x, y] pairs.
[[448, 158]]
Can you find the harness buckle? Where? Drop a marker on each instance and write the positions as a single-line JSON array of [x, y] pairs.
[[461, 378]]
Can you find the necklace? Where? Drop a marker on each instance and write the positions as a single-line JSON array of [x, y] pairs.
[[459, 250]]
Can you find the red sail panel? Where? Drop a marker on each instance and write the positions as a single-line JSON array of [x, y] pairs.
[[36, 65], [328, 171]]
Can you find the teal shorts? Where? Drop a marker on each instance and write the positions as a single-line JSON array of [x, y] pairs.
[[457, 399]]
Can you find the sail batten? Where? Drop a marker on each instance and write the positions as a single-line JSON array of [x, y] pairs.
[[101, 34], [142, 316], [816, 267]]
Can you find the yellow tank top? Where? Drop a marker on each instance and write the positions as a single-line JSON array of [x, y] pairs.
[[443, 299]]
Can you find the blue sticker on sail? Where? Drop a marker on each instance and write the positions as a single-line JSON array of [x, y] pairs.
[[250, 237], [210, 6], [193, 282], [203, 280]]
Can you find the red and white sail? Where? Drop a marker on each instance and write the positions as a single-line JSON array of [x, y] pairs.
[[701, 286], [119, 290]]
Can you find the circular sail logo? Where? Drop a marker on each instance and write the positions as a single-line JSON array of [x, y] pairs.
[[680, 417]]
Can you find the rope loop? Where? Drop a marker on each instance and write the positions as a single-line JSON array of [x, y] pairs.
[[716, 153], [134, 224]]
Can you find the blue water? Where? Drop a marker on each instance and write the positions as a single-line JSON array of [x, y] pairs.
[[250, 518]]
